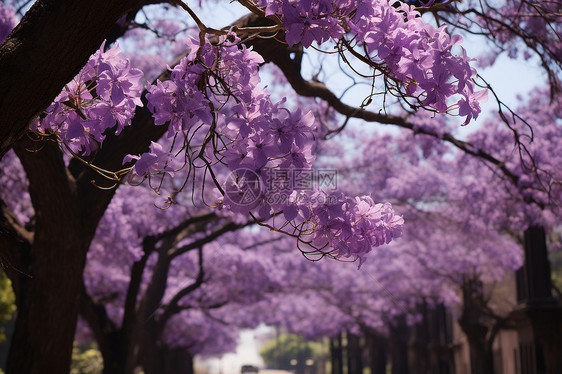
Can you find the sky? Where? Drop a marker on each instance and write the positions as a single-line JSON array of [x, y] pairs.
[[247, 353]]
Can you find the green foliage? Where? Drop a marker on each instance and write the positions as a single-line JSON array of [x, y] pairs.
[[556, 269], [7, 304], [555, 258], [278, 353], [86, 360]]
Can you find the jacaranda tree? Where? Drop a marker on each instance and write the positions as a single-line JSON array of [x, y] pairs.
[[82, 121]]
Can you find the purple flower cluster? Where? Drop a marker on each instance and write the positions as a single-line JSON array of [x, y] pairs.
[[352, 227], [179, 101], [414, 53], [257, 135], [8, 21], [102, 96], [310, 20]]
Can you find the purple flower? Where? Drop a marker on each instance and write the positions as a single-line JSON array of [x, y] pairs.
[[80, 116], [469, 106], [155, 161]]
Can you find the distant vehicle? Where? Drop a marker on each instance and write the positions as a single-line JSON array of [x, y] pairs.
[[249, 369]]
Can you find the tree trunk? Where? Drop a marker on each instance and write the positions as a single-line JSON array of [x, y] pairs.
[[419, 344], [149, 355], [176, 361], [336, 354], [67, 207], [377, 353], [47, 316], [49, 288], [354, 354], [399, 347], [481, 357], [114, 355], [547, 328], [534, 289]]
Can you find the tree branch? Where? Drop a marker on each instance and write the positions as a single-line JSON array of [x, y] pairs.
[[173, 306], [278, 53], [227, 227], [179, 232]]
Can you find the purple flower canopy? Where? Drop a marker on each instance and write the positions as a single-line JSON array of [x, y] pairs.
[[219, 118]]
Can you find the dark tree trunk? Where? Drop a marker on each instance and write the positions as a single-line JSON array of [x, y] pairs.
[[48, 266], [354, 354], [47, 316], [336, 354], [149, 355], [399, 347], [176, 361], [534, 285], [115, 343], [547, 326], [430, 350], [49, 287], [480, 344], [114, 353], [376, 346], [419, 344], [481, 358], [534, 291]]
